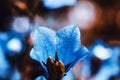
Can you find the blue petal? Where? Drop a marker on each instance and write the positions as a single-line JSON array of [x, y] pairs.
[[68, 41], [40, 78], [69, 76], [44, 44], [80, 54]]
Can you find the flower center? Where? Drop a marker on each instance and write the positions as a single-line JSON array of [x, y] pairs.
[[56, 68]]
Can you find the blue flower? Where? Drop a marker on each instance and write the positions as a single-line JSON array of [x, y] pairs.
[[66, 42]]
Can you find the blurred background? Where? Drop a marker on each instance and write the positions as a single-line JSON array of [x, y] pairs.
[[98, 21]]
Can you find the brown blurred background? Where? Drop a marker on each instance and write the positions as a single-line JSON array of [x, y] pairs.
[[96, 19]]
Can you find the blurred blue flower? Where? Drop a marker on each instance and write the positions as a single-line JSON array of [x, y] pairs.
[[4, 64], [53, 4], [66, 42], [16, 75], [11, 42], [110, 67]]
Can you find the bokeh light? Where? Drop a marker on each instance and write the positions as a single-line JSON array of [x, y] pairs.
[[102, 52], [83, 14], [14, 45], [21, 24]]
